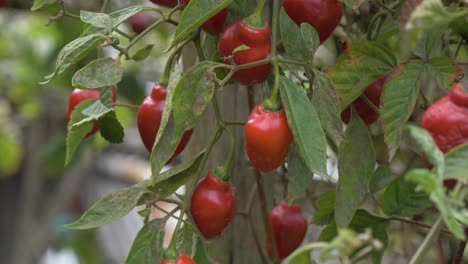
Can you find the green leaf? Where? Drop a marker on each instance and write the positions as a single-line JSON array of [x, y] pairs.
[[110, 128], [98, 73], [188, 101], [186, 240], [78, 127], [299, 174], [453, 212], [195, 14], [326, 208], [148, 245], [381, 178], [429, 43], [110, 208], [169, 181], [300, 256], [329, 232], [299, 43], [363, 220], [100, 107], [38, 4], [356, 162], [367, 61], [239, 10], [445, 71], [74, 52], [111, 21], [399, 97], [119, 16], [425, 141], [99, 20], [326, 100], [456, 165], [143, 53], [305, 126], [401, 199]]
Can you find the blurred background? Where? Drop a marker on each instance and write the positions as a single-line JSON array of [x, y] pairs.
[[38, 194]]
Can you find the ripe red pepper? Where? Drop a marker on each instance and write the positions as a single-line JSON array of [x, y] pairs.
[[167, 3], [373, 92], [182, 259], [213, 205], [140, 22], [3, 3], [323, 15], [289, 228], [267, 137], [215, 24], [79, 95], [259, 43], [149, 120], [447, 122]]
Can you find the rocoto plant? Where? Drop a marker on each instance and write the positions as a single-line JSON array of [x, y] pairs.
[[305, 105]]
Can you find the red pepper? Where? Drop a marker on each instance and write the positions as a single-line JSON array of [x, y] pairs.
[[213, 205], [373, 92], [79, 95], [323, 15], [183, 259], [167, 3], [267, 137], [447, 122], [289, 228], [149, 119], [258, 42], [215, 24], [140, 21]]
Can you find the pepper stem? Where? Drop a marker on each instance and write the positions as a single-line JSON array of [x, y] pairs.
[[171, 252], [170, 60], [273, 104], [255, 20], [224, 173]]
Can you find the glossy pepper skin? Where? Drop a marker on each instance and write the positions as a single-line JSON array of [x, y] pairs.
[[79, 95], [213, 205], [140, 22], [149, 119], [267, 137], [215, 24], [323, 15], [447, 122], [182, 259], [289, 228], [373, 92], [166, 3], [259, 43]]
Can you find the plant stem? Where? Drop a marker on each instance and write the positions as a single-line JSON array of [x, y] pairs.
[[417, 223], [131, 106], [162, 19], [104, 6], [170, 61], [431, 236], [459, 256], [265, 216]]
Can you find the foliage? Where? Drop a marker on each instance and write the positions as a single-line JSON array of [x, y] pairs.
[[312, 96]]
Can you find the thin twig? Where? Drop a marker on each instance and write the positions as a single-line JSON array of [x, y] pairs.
[[445, 230], [459, 256]]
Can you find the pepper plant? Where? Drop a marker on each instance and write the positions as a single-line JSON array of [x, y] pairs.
[[363, 110]]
